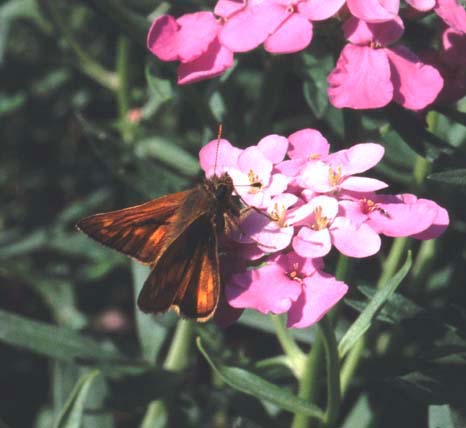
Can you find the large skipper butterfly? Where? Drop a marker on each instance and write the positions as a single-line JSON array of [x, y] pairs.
[[177, 235]]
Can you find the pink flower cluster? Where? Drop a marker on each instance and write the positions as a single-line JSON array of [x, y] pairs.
[[372, 69], [303, 201]]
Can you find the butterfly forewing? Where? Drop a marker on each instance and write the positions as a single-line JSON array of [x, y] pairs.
[[177, 235], [186, 276], [137, 231]]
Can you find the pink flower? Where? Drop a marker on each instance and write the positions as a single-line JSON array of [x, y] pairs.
[[304, 145], [276, 23], [287, 283], [451, 11], [271, 231], [324, 227], [192, 40], [335, 172], [396, 73], [268, 289], [218, 156], [451, 62], [255, 179], [374, 10], [396, 215]]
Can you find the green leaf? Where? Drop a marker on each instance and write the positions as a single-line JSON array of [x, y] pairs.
[[396, 309], [251, 384], [150, 333], [455, 176], [72, 413], [51, 341], [440, 417], [365, 319], [168, 153]]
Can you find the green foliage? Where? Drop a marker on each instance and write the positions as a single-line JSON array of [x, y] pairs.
[[92, 122]]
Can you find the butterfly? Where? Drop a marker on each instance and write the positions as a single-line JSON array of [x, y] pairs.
[[178, 236]]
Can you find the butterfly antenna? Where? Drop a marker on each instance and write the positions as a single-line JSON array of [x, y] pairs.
[[219, 137]]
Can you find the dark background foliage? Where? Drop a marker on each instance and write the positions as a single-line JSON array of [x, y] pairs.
[[91, 122]]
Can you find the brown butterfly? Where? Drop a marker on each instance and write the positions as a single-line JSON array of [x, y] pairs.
[[177, 235]]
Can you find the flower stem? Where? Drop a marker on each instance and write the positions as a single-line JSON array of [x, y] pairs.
[[351, 364], [309, 381], [176, 360], [397, 251], [289, 346], [333, 372], [91, 68]]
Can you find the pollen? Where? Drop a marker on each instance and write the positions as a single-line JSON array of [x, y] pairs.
[[320, 221], [334, 176], [313, 156], [294, 275], [278, 214], [254, 182], [374, 44]]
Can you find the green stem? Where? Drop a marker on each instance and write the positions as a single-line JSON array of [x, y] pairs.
[[94, 70], [177, 357], [343, 267], [122, 94], [351, 364], [122, 68], [392, 262], [422, 265], [333, 372], [176, 360], [309, 381], [289, 346]]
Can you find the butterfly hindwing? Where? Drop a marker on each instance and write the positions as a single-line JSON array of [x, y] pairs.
[[137, 231], [186, 275]]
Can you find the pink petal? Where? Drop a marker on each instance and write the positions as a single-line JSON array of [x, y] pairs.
[[277, 184], [253, 160], [362, 184], [308, 143], [318, 10], [374, 10], [360, 157], [354, 241], [250, 27], [266, 290], [304, 266], [197, 31], [217, 156], [315, 176], [291, 168], [161, 38], [422, 5], [452, 13], [320, 293], [212, 63], [416, 85], [273, 147], [362, 33], [352, 210], [293, 35], [311, 243], [439, 224], [358, 71], [226, 8], [400, 219]]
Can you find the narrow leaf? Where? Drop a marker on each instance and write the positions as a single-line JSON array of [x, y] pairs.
[[364, 321], [72, 413], [455, 176], [251, 384], [150, 333], [51, 341]]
